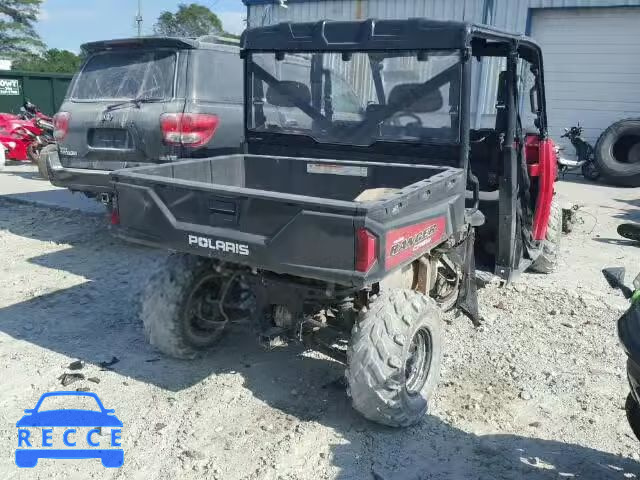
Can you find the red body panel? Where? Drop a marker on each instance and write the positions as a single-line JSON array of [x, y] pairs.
[[18, 151], [16, 142], [16, 131], [408, 242], [543, 165]]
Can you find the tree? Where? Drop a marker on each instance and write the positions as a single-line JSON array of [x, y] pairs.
[[189, 21], [50, 61], [17, 34]]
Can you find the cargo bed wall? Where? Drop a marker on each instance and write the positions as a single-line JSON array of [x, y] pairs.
[[281, 236], [309, 177], [247, 211]]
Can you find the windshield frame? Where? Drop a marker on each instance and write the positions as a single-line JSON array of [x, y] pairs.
[[460, 69], [71, 96]]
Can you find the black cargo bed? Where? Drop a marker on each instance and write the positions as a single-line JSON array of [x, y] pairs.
[[288, 215]]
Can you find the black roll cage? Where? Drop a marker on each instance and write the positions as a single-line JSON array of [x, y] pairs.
[[423, 35], [415, 34]]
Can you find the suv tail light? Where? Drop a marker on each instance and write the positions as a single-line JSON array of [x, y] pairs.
[[366, 247], [61, 125], [189, 129]]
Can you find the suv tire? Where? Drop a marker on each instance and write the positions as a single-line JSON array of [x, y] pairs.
[[548, 259], [394, 357], [174, 307], [43, 157]]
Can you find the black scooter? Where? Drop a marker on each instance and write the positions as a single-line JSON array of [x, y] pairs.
[[629, 334], [585, 154]]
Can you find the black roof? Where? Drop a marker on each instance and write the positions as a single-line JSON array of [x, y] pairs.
[[410, 34], [206, 42]]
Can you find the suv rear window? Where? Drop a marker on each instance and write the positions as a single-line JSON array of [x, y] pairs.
[[127, 75]]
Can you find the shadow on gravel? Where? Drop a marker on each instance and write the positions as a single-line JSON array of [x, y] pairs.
[[632, 214], [431, 450], [617, 241], [58, 199], [26, 174]]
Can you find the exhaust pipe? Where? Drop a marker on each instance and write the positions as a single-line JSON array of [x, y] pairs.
[[565, 162]]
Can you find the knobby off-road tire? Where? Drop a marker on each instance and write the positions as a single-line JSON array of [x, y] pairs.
[[633, 414], [548, 259], [42, 159], [178, 306], [618, 153], [394, 357]]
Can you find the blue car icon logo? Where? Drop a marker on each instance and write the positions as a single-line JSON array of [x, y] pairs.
[[80, 431]]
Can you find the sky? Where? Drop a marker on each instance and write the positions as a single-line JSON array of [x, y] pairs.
[[66, 24]]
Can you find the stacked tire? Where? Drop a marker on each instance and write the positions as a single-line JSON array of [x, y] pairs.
[[617, 153]]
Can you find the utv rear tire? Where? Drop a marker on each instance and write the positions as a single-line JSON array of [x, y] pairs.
[[548, 259], [173, 301], [618, 153], [633, 414], [394, 356], [42, 160]]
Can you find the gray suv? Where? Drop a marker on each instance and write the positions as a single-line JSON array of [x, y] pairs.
[[147, 100]]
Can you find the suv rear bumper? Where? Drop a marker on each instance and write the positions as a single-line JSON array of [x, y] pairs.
[[78, 179]]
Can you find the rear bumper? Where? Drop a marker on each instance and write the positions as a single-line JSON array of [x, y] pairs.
[[78, 179]]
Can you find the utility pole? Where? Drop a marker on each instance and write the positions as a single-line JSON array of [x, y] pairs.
[[139, 18]]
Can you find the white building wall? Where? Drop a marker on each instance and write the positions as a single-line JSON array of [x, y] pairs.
[[508, 14]]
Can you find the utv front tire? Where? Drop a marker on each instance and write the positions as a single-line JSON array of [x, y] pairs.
[[548, 259], [394, 358], [180, 306]]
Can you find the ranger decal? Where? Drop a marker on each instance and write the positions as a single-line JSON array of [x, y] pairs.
[[412, 241]]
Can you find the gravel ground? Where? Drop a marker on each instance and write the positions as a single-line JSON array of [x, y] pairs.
[[537, 392]]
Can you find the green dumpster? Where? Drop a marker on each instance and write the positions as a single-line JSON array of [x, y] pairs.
[[46, 90]]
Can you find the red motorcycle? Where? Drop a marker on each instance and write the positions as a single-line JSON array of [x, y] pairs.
[[24, 135]]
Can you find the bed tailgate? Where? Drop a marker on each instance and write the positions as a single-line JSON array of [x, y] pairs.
[[303, 236]]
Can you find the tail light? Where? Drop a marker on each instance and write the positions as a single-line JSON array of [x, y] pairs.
[[189, 129], [366, 250], [61, 125]]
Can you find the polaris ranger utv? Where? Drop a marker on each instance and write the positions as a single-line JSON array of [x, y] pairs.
[[352, 225]]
